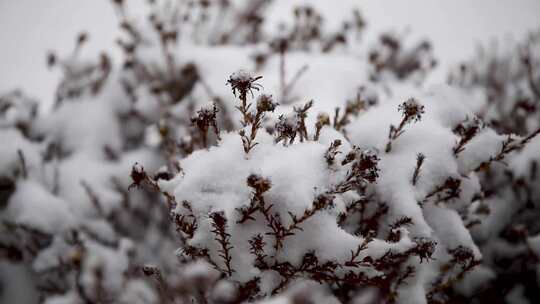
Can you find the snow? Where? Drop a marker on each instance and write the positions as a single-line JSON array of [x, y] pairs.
[[13, 276], [137, 292], [215, 180], [199, 274], [113, 264], [9, 156], [431, 136], [33, 206], [81, 132]]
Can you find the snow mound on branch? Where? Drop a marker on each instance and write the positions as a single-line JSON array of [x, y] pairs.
[[215, 181], [433, 137]]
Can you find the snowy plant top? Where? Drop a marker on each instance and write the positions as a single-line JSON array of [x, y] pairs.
[[265, 103], [289, 202], [275, 205], [241, 76], [243, 82], [286, 200], [16, 109]]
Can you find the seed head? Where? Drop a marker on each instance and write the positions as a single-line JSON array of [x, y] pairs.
[[138, 175], [412, 110], [259, 183], [323, 119], [206, 116], [265, 103], [243, 82]]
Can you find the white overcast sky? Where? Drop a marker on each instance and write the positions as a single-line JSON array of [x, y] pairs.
[[28, 28]]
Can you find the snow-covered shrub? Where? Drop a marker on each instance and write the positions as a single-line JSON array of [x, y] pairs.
[[392, 56], [277, 160], [273, 206], [508, 78]]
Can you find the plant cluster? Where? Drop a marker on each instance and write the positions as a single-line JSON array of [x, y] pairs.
[[164, 178], [254, 234], [507, 79], [391, 55]]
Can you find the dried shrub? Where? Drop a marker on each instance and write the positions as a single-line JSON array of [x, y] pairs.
[[271, 203]]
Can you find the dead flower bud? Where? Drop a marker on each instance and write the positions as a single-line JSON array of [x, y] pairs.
[[150, 270], [219, 219], [359, 154], [364, 169], [351, 156], [280, 44], [462, 255], [323, 119], [206, 117], [257, 244], [51, 59], [411, 110], [467, 130], [367, 164], [163, 173], [332, 152], [242, 82], [260, 58], [260, 184], [323, 201], [138, 175], [82, 38], [424, 248], [265, 103], [286, 128], [397, 227], [469, 127], [452, 187]]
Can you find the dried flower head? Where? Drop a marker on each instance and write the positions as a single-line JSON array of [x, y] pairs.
[[82, 38], [243, 82], [265, 103], [424, 248], [467, 130], [412, 110], [452, 187], [323, 119], [138, 175], [462, 255], [259, 183], [364, 169], [206, 117], [332, 152], [163, 173], [366, 163], [286, 128]]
